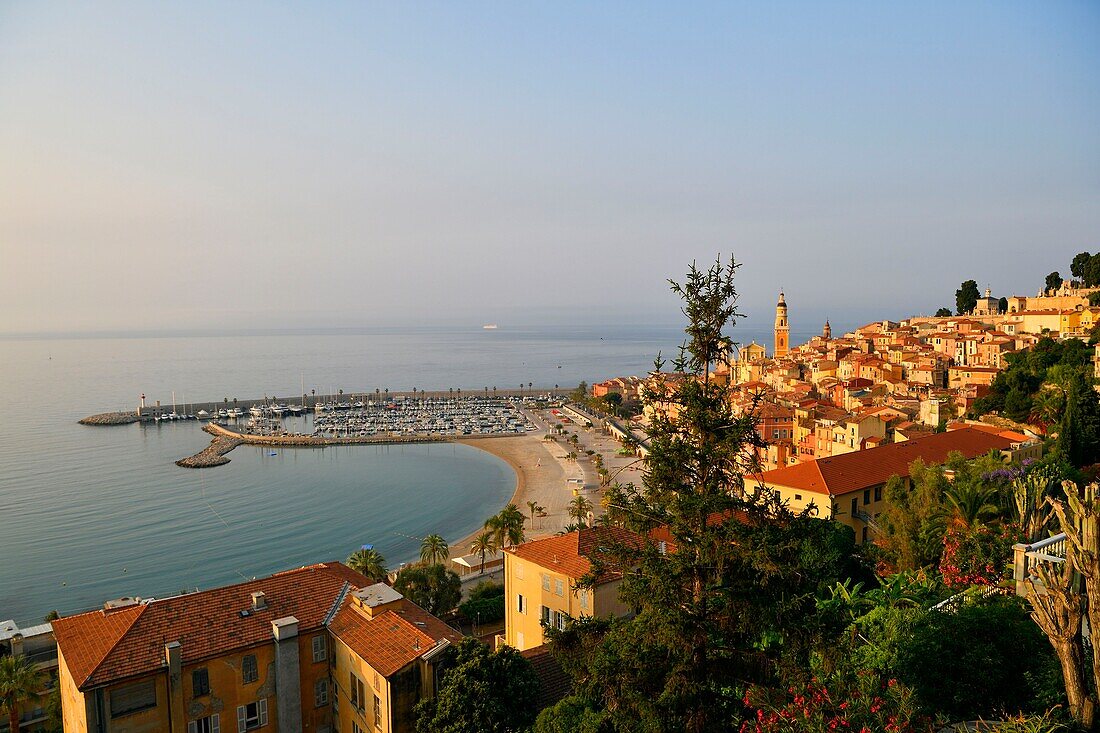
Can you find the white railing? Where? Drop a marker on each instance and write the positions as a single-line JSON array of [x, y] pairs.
[[1026, 557]]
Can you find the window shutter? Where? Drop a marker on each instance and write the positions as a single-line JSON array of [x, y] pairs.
[[216, 723], [242, 716], [192, 727], [263, 712]]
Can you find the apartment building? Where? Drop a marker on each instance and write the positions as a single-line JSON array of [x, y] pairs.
[[272, 654]]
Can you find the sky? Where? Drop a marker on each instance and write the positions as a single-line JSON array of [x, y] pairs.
[[315, 165]]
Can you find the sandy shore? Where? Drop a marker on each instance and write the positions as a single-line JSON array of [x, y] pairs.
[[541, 474]]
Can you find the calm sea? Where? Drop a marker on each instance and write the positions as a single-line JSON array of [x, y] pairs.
[[91, 513]]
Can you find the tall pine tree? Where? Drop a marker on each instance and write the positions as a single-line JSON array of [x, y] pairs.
[[731, 588]]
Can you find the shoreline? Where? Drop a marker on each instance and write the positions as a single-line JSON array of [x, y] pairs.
[[541, 472]]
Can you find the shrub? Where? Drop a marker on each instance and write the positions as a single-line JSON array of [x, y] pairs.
[[484, 610]]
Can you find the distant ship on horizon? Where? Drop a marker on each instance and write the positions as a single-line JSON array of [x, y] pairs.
[[490, 326]]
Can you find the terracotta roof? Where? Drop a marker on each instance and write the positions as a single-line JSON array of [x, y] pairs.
[[393, 639], [836, 475], [569, 553], [554, 683], [101, 647]]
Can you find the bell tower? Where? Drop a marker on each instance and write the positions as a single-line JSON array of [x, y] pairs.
[[782, 328], [827, 332]]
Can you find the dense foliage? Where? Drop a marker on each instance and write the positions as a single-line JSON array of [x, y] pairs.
[[432, 587], [481, 692], [966, 297]]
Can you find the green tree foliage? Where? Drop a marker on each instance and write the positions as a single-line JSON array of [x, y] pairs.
[[1002, 305], [571, 715], [486, 589], [370, 563], [483, 610], [432, 587], [20, 683], [1094, 299], [1015, 391], [966, 297], [434, 550], [580, 394], [1091, 277], [484, 544], [737, 592], [507, 526], [481, 692], [912, 519], [999, 661], [1053, 281], [943, 313], [1078, 265]]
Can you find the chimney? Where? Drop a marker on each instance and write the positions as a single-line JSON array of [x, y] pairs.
[[259, 601]]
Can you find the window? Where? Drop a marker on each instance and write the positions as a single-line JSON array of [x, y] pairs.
[[355, 727], [521, 605], [544, 615], [355, 687], [559, 620], [320, 648], [864, 534], [855, 506], [519, 639], [132, 698], [377, 713], [209, 724], [252, 716], [200, 682], [878, 493], [249, 670], [545, 582], [320, 693], [866, 496], [798, 497], [584, 600], [559, 587]]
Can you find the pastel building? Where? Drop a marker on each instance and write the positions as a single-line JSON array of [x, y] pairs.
[[280, 653], [540, 582]]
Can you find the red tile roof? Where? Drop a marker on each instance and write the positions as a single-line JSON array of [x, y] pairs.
[[569, 553], [393, 639], [101, 647], [554, 683], [848, 472]]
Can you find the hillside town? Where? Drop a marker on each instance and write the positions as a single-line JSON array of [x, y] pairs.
[[885, 382]]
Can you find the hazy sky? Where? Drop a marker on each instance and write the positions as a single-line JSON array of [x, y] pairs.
[[271, 165]]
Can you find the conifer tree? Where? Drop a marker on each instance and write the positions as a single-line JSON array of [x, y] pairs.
[[737, 571]]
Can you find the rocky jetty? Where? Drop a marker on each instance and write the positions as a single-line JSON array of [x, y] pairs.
[[213, 454], [110, 418]]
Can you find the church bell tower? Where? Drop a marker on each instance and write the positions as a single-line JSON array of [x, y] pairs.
[[782, 328]]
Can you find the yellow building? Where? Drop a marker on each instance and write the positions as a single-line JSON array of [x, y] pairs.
[[848, 487], [385, 655], [252, 656], [540, 582]]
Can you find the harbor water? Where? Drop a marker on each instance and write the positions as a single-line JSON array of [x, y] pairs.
[[97, 512]]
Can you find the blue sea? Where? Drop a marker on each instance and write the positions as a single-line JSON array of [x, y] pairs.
[[89, 513]]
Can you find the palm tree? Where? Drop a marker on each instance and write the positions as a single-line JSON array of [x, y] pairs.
[[579, 508], [533, 507], [483, 545], [370, 563], [507, 527], [20, 682], [971, 505], [434, 550]]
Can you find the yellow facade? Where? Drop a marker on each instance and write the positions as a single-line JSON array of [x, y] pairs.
[[534, 593], [363, 695]]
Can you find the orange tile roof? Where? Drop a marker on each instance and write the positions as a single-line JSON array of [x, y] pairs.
[[848, 472], [393, 639], [101, 647], [569, 553]]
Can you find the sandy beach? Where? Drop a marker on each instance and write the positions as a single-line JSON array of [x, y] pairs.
[[541, 476]]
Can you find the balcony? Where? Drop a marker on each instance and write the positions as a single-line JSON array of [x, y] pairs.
[[1028, 557]]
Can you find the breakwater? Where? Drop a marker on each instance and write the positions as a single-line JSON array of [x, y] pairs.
[[226, 440], [213, 454], [306, 402]]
